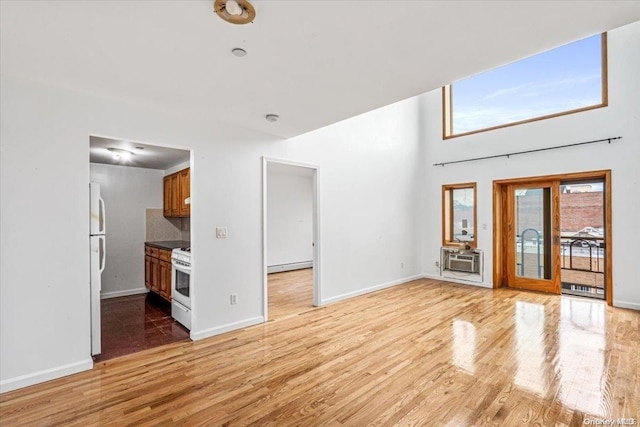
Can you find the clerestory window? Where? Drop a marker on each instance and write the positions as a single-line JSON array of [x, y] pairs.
[[565, 80]]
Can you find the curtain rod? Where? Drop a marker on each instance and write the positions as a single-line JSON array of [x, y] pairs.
[[528, 151]]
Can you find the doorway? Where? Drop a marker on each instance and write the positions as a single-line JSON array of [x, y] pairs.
[[131, 294], [290, 238], [583, 245], [535, 246]]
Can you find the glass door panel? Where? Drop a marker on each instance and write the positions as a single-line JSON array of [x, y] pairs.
[[532, 234]]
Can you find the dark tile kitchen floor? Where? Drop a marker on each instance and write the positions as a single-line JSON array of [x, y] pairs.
[[135, 323]]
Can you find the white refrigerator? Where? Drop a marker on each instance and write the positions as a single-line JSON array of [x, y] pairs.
[[97, 256]]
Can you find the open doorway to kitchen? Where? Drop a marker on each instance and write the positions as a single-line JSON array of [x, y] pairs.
[[144, 206], [291, 244]]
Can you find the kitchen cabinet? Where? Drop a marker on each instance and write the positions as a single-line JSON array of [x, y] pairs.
[[166, 206], [184, 183], [157, 271], [177, 188]]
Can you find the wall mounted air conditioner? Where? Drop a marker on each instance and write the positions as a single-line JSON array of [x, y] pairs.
[[465, 263]]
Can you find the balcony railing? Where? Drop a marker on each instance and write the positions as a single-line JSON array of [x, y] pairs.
[[582, 260], [583, 264]]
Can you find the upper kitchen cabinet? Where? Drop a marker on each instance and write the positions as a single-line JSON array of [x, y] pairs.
[[184, 183], [177, 191], [168, 190]]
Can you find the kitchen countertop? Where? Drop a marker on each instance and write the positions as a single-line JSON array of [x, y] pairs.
[[169, 244]]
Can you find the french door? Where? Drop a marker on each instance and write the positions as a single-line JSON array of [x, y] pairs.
[[533, 236], [527, 240]]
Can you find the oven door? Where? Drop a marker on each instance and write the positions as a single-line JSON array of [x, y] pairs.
[[180, 284]]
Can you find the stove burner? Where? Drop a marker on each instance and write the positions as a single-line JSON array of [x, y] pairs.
[[186, 249]]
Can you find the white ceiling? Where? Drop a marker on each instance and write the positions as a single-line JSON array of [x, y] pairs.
[[312, 62], [144, 155]]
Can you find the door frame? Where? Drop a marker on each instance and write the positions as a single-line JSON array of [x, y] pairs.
[[317, 288], [500, 226]]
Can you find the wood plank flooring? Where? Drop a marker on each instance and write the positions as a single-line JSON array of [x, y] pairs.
[[137, 322], [290, 293], [423, 353]]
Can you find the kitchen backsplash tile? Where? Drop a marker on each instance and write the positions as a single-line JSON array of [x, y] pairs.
[[186, 229], [161, 228]]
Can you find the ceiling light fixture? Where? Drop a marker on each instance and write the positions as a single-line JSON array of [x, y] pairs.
[[272, 117], [119, 153], [233, 8], [239, 52], [235, 11]]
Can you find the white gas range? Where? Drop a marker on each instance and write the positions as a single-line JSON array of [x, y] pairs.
[[181, 286]]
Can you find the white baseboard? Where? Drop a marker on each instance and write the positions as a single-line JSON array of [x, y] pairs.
[[289, 267], [458, 281], [115, 294], [626, 304], [46, 375], [370, 289], [198, 335]]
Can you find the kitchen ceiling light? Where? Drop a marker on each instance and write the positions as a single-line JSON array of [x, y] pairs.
[[235, 11], [239, 52], [272, 117], [119, 153]]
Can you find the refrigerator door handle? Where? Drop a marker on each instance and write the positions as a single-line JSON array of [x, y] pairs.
[[102, 217], [103, 253]]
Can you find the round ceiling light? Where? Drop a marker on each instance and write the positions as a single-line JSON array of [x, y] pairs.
[[272, 117], [119, 153], [235, 11], [239, 52]]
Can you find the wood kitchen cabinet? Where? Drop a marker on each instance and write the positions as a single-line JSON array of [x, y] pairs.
[[166, 206], [184, 183], [157, 271], [177, 187]]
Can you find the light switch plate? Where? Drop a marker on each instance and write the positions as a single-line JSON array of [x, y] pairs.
[[221, 232]]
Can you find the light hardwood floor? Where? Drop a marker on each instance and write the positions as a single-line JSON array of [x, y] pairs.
[[290, 293], [423, 353]]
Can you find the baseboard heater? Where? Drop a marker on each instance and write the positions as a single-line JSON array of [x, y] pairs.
[[289, 267]]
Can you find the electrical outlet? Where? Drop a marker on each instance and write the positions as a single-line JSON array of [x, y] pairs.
[[437, 264], [221, 232], [234, 298], [402, 265]]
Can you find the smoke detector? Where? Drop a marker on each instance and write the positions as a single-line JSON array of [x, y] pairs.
[[235, 11]]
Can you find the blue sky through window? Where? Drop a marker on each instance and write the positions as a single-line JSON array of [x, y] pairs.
[[563, 79]]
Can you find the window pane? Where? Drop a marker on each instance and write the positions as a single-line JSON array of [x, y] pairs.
[[563, 79], [463, 226]]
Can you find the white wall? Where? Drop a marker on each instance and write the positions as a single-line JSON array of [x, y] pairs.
[[127, 193], [176, 168], [368, 177], [620, 118], [289, 217], [369, 167]]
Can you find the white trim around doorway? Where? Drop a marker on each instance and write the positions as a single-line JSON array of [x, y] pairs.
[[317, 288]]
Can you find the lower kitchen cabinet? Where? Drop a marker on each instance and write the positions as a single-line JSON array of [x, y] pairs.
[[157, 271]]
